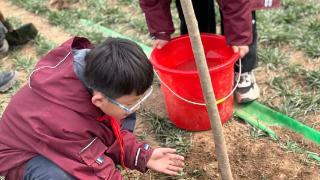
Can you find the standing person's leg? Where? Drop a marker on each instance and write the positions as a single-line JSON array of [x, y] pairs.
[[249, 61], [205, 14], [247, 89], [40, 168]]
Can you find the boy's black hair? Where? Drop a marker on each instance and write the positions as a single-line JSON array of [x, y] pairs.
[[118, 67]]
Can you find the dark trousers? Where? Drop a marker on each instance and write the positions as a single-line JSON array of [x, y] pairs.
[[40, 168], [205, 14]]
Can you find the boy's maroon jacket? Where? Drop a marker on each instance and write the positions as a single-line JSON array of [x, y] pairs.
[[236, 13], [55, 118]]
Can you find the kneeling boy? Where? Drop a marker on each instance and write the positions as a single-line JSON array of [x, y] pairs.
[[65, 123]]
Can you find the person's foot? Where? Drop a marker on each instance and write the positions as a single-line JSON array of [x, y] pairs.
[[21, 35], [247, 89], [7, 80]]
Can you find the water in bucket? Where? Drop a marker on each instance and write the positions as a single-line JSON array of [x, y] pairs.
[[190, 65]]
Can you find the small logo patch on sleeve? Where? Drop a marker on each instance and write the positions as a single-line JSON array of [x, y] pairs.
[[146, 146], [100, 159]]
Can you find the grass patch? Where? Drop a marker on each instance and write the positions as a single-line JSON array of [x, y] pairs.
[[313, 79], [257, 133], [23, 63], [272, 57], [271, 33], [295, 100], [292, 147], [102, 12], [275, 35], [167, 133], [139, 24], [14, 22], [169, 136], [275, 27], [296, 11], [43, 45], [309, 39], [35, 6], [295, 23], [126, 2]]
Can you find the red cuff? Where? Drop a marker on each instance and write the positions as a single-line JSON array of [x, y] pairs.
[[162, 36], [142, 157]]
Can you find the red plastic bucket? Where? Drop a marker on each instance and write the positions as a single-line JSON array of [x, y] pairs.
[[176, 67]]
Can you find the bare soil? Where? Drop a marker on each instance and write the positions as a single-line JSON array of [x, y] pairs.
[[250, 158]]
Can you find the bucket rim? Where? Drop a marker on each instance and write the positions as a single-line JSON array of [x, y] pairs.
[[220, 67]]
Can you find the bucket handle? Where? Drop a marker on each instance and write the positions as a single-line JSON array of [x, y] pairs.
[[219, 101]]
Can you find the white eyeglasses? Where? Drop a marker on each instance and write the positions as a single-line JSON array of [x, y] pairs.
[[134, 107]]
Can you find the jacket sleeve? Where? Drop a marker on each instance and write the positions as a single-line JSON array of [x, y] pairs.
[[158, 17], [88, 162], [237, 21], [136, 154]]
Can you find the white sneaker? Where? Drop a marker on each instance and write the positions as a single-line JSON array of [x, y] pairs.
[[247, 89], [7, 80]]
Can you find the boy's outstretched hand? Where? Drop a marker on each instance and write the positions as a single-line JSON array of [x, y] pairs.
[[165, 160]]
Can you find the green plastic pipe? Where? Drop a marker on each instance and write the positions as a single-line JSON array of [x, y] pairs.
[[259, 113], [253, 121], [314, 156]]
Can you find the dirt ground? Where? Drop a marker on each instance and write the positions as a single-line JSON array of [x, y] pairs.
[[250, 157]]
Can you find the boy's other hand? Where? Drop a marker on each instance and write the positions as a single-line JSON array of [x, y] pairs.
[[159, 43], [242, 50], [165, 160]]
